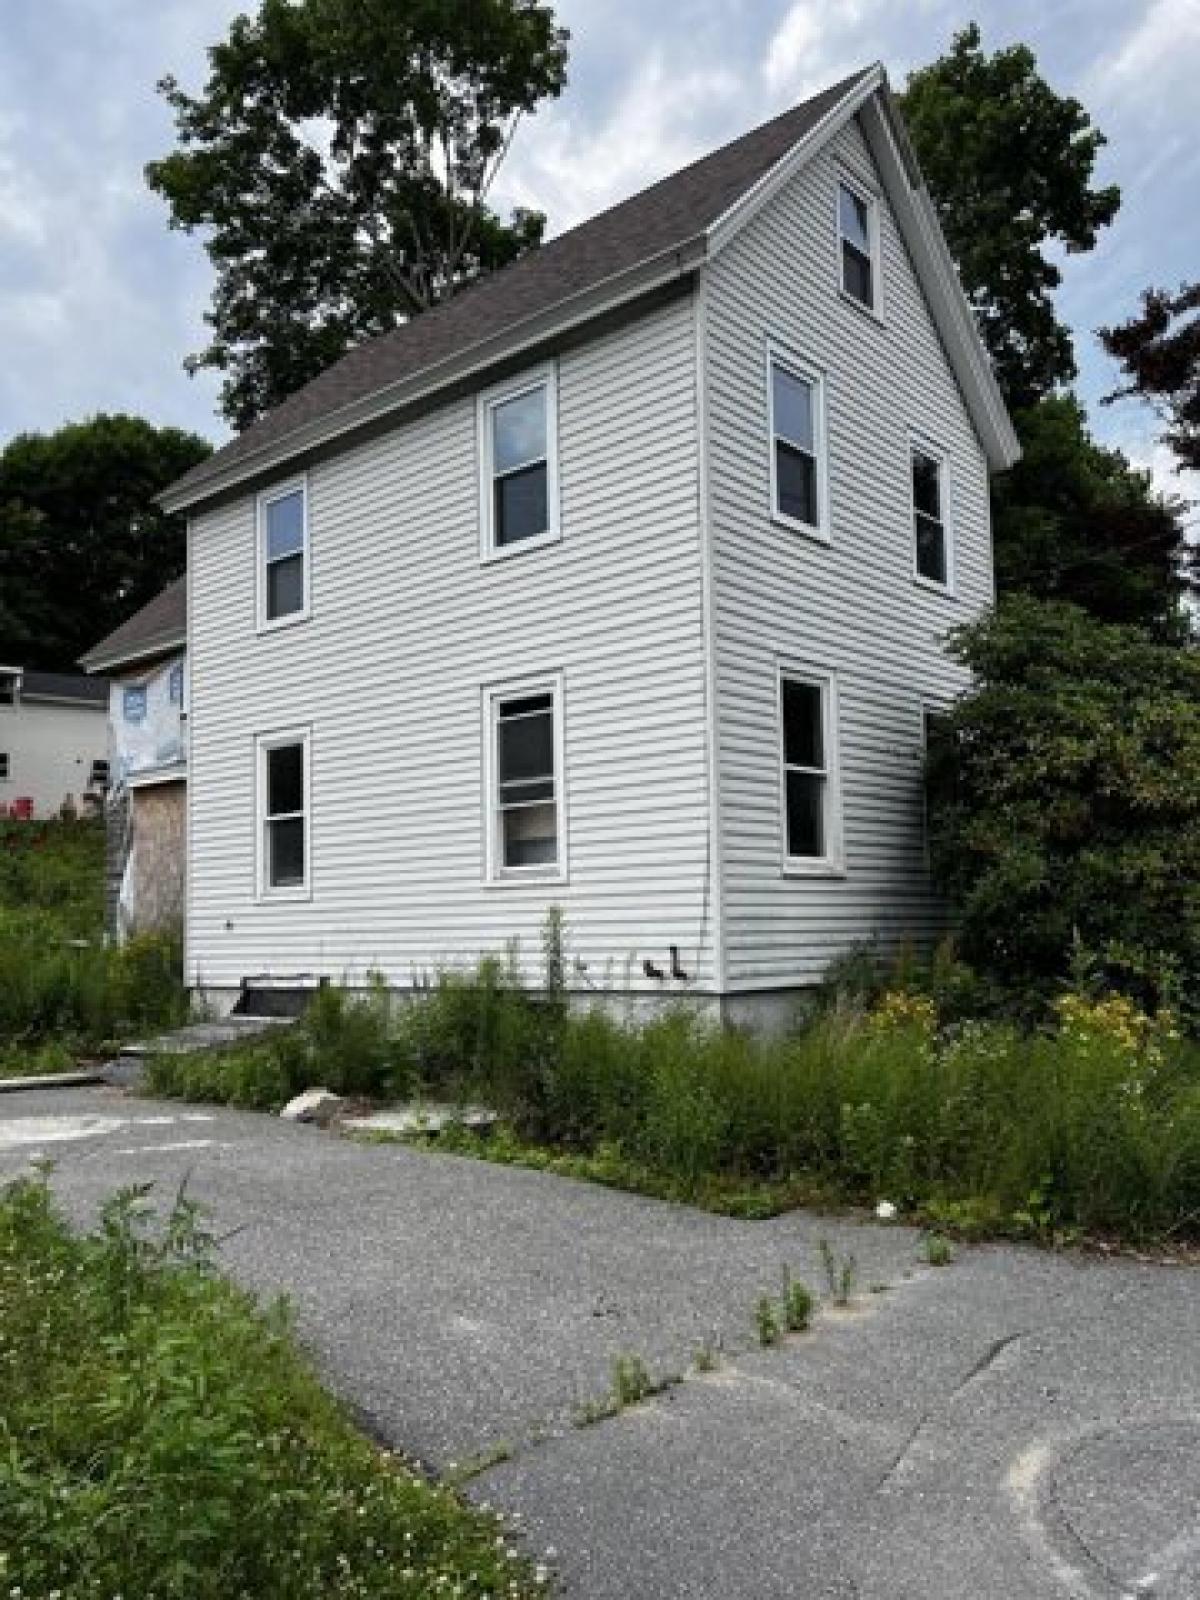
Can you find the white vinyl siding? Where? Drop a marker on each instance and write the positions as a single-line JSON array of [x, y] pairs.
[[850, 606], [283, 559], [408, 630]]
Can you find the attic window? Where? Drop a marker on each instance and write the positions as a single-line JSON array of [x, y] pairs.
[[519, 476], [858, 230], [283, 555]]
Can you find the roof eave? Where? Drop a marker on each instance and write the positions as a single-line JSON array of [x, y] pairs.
[[564, 316], [101, 660]]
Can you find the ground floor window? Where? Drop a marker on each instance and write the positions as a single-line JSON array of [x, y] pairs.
[[284, 813], [810, 801], [523, 760]]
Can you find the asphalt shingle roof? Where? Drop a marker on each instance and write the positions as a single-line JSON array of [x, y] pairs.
[[63, 686], [157, 626], [669, 214]]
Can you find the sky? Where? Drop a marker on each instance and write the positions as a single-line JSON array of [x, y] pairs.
[[100, 301]]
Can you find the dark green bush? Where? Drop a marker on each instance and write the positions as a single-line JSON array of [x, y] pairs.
[[158, 1436], [1065, 804]]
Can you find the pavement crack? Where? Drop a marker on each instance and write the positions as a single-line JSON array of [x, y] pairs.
[[979, 1369], [987, 1361]]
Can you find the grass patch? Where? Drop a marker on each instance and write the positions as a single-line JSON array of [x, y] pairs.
[[159, 1436], [62, 991], [1089, 1122]]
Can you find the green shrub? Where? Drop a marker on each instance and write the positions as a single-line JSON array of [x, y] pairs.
[[158, 1436]]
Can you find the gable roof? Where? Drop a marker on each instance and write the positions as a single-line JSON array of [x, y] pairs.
[[63, 687], [662, 233], [160, 625]]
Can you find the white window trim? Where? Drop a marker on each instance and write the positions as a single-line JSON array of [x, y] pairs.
[[870, 199], [543, 377], [927, 707], [926, 447], [280, 491], [263, 743], [495, 874], [833, 863], [779, 355]]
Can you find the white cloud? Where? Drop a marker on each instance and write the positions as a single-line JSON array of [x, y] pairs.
[[1163, 43]]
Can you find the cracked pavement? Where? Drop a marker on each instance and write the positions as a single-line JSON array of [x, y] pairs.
[[1015, 1424]]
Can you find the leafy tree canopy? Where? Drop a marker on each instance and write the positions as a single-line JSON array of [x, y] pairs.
[[1074, 521], [1065, 800], [1009, 164], [1159, 352], [339, 159], [82, 544]]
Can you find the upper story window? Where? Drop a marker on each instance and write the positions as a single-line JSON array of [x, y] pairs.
[[518, 465], [283, 555], [175, 684], [133, 704], [858, 250], [932, 555], [797, 421], [283, 789], [525, 783], [811, 820]]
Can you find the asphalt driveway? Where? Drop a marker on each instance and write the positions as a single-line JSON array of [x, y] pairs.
[[1014, 1425]]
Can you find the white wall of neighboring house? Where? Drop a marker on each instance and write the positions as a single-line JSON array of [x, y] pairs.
[[51, 750]]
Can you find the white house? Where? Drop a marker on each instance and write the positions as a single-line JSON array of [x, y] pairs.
[[618, 583], [52, 742], [145, 663]]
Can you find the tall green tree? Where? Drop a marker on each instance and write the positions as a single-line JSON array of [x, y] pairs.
[[339, 161], [1073, 521], [82, 544], [1009, 164], [1159, 353]]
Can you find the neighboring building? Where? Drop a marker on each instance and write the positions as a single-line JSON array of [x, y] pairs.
[[619, 582], [145, 661], [53, 752]]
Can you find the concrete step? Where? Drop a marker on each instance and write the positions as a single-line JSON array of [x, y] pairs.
[[202, 1036]]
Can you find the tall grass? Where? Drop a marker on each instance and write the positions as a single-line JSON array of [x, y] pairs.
[[58, 981], [160, 1437], [1087, 1124]]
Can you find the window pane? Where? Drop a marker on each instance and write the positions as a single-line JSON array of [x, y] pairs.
[[805, 815], [854, 219], [926, 484], [285, 587], [285, 853], [793, 408], [525, 747], [530, 836], [519, 431], [521, 505], [285, 525], [931, 549], [795, 483], [285, 779], [803, 725], [856, 275]]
